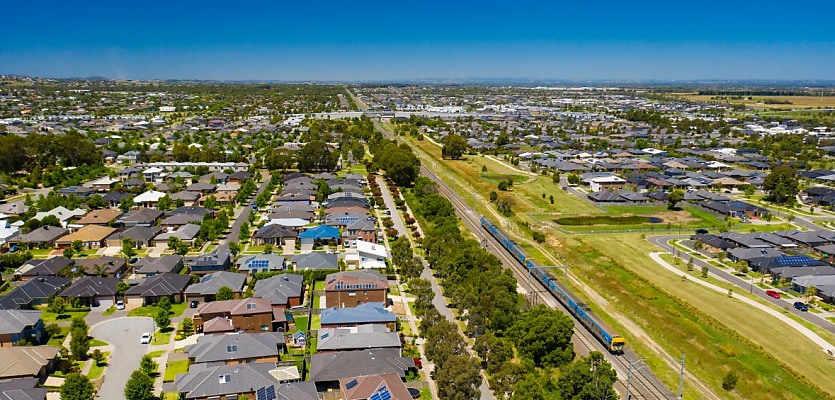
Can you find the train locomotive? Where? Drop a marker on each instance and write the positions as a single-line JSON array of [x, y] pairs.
[[606, 335]]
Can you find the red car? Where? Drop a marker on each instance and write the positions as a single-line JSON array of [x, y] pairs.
[[418, 363], [772, 293]]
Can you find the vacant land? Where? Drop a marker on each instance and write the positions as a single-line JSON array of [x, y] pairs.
[[761, 101]]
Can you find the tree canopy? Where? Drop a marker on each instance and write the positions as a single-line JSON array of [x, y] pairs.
[[543, 335], [781, 185], [454, 147], [317, 156], [77, 387]]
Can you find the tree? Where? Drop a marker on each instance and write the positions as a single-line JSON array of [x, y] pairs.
[[164, 203], [188, 325], [705, 271], [494, 351], [458, 379], [674, 197], [543, 335], [225, 293], [781, 185], [164, 304], [729, 381], [50, 220], [810, 292], [128, 247], [234, 249], [77, 387], [505, 205], [122, 287], [78, 246], [68, 252], [98, 356], [493, 196], [454, 147], [52, 330], [316, 156], [573, 179], [162, 319], [147, 365], [211, 202], [140, 386], [588, 378], [57, 305], [80, 343], [126, 203]]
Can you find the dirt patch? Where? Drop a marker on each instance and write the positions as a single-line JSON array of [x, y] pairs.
[[553, 242], [676, 217]]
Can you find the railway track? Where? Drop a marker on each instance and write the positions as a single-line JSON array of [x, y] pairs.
[[642, 383]]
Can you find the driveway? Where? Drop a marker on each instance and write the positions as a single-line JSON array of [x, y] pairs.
[[125, 351]]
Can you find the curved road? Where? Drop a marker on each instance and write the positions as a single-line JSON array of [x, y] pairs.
[[663, 242], [125, 351]]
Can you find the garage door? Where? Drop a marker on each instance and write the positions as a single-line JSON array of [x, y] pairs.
[[103, 304]]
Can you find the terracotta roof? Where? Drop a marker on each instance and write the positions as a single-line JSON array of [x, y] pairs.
[[102, 216], [89, 233]]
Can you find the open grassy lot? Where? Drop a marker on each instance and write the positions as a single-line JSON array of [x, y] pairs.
[[151, 311], [718, 334], [172, 368], [759, 101]]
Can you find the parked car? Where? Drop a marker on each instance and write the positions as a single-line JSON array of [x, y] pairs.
[[801, 306], [193, 304], [120, 305], [772, 293], [418, 362], [702, 231], [146, 338]]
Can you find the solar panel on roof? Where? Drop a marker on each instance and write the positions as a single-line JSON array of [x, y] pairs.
[[381, 394], [261, 394], [350, 385], [271, 392]]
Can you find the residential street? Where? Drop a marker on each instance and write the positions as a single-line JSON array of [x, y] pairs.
[[125, 351], [243, 215], [662, 242]]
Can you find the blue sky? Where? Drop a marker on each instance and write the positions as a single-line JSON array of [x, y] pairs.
[[375, 40]]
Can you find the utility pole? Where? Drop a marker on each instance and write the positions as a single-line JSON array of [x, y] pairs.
[[629, 374], [681, 379]]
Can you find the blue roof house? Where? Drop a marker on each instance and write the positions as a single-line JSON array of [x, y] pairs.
[[321, 233], [363, 314]]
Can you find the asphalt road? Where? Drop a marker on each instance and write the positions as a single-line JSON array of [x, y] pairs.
[[123, 335], [235, 231], [661, 241]]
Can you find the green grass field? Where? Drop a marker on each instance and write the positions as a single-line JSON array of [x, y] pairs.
[[151, 311], [96, 370], [48, 317], [172, 368]]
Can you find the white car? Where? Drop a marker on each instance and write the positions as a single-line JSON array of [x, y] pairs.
[[146, 338], [120, 305]]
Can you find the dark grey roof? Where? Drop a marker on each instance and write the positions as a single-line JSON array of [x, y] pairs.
[[50, 266], [43, 234], [91, 286], [38, 288], [315, 260], [361, 337], [142, 216], [202, 381], [151, 265], [273, 231], [14, 321], [334, 366], [296, 391], [182, 219], [140, 234], [218, 256], [211, 283], [165, 284], [278, 288], [212, 348]]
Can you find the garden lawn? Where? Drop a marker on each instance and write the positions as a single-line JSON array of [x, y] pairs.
[[172, 368], [96, 342], [151, 311], [97, 370], [58, 340], [301, 323], [162, 337], [48, 317]]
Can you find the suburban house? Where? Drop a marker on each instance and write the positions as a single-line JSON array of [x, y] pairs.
[[148, 199], [27, 362], [246, 315], [23, 389], [363, 314], [34, 292], [359, 230], [351, 288], [356, 338], [155, 287], [90, 236], [149, 266], [320, 234], [103, 217], [243, 348], [18, 325], [218, 260], [47, 267], [178, 220], [63, 215], [273, 234], [261, 263], [371, 255], [185, 233], [93, 291], [284, 291], [327, 369], [113, 267], [142, 236], [380, 386], [42, 237], [206, 289], [204, 382], [315, 260]]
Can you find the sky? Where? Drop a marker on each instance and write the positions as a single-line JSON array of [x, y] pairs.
[[396, 40]]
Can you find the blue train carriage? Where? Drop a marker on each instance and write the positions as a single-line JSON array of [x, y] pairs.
[[614, 342]]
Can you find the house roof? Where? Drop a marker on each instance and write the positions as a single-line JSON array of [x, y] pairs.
[[140, 234], [211, 348], [211, 283], [296, 390], [25, 360], [280, 287], [150, 265], [366, 313], [274, 231], [164, 284], [89, 233], [111, 265], [184, 232], [315, 260], [62, 213], [91, 286], [237, 306], [375, 249], [355, 338], [320, 232], [151, 196], [218, 325], [14, 321], [345, 364], [50, 266], [142, 216], [41, 288], [43, 234], [388, 386], [353, 280], [103, 216], [203, 381]]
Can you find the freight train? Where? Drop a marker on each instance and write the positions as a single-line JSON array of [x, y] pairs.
[[606, 335]]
